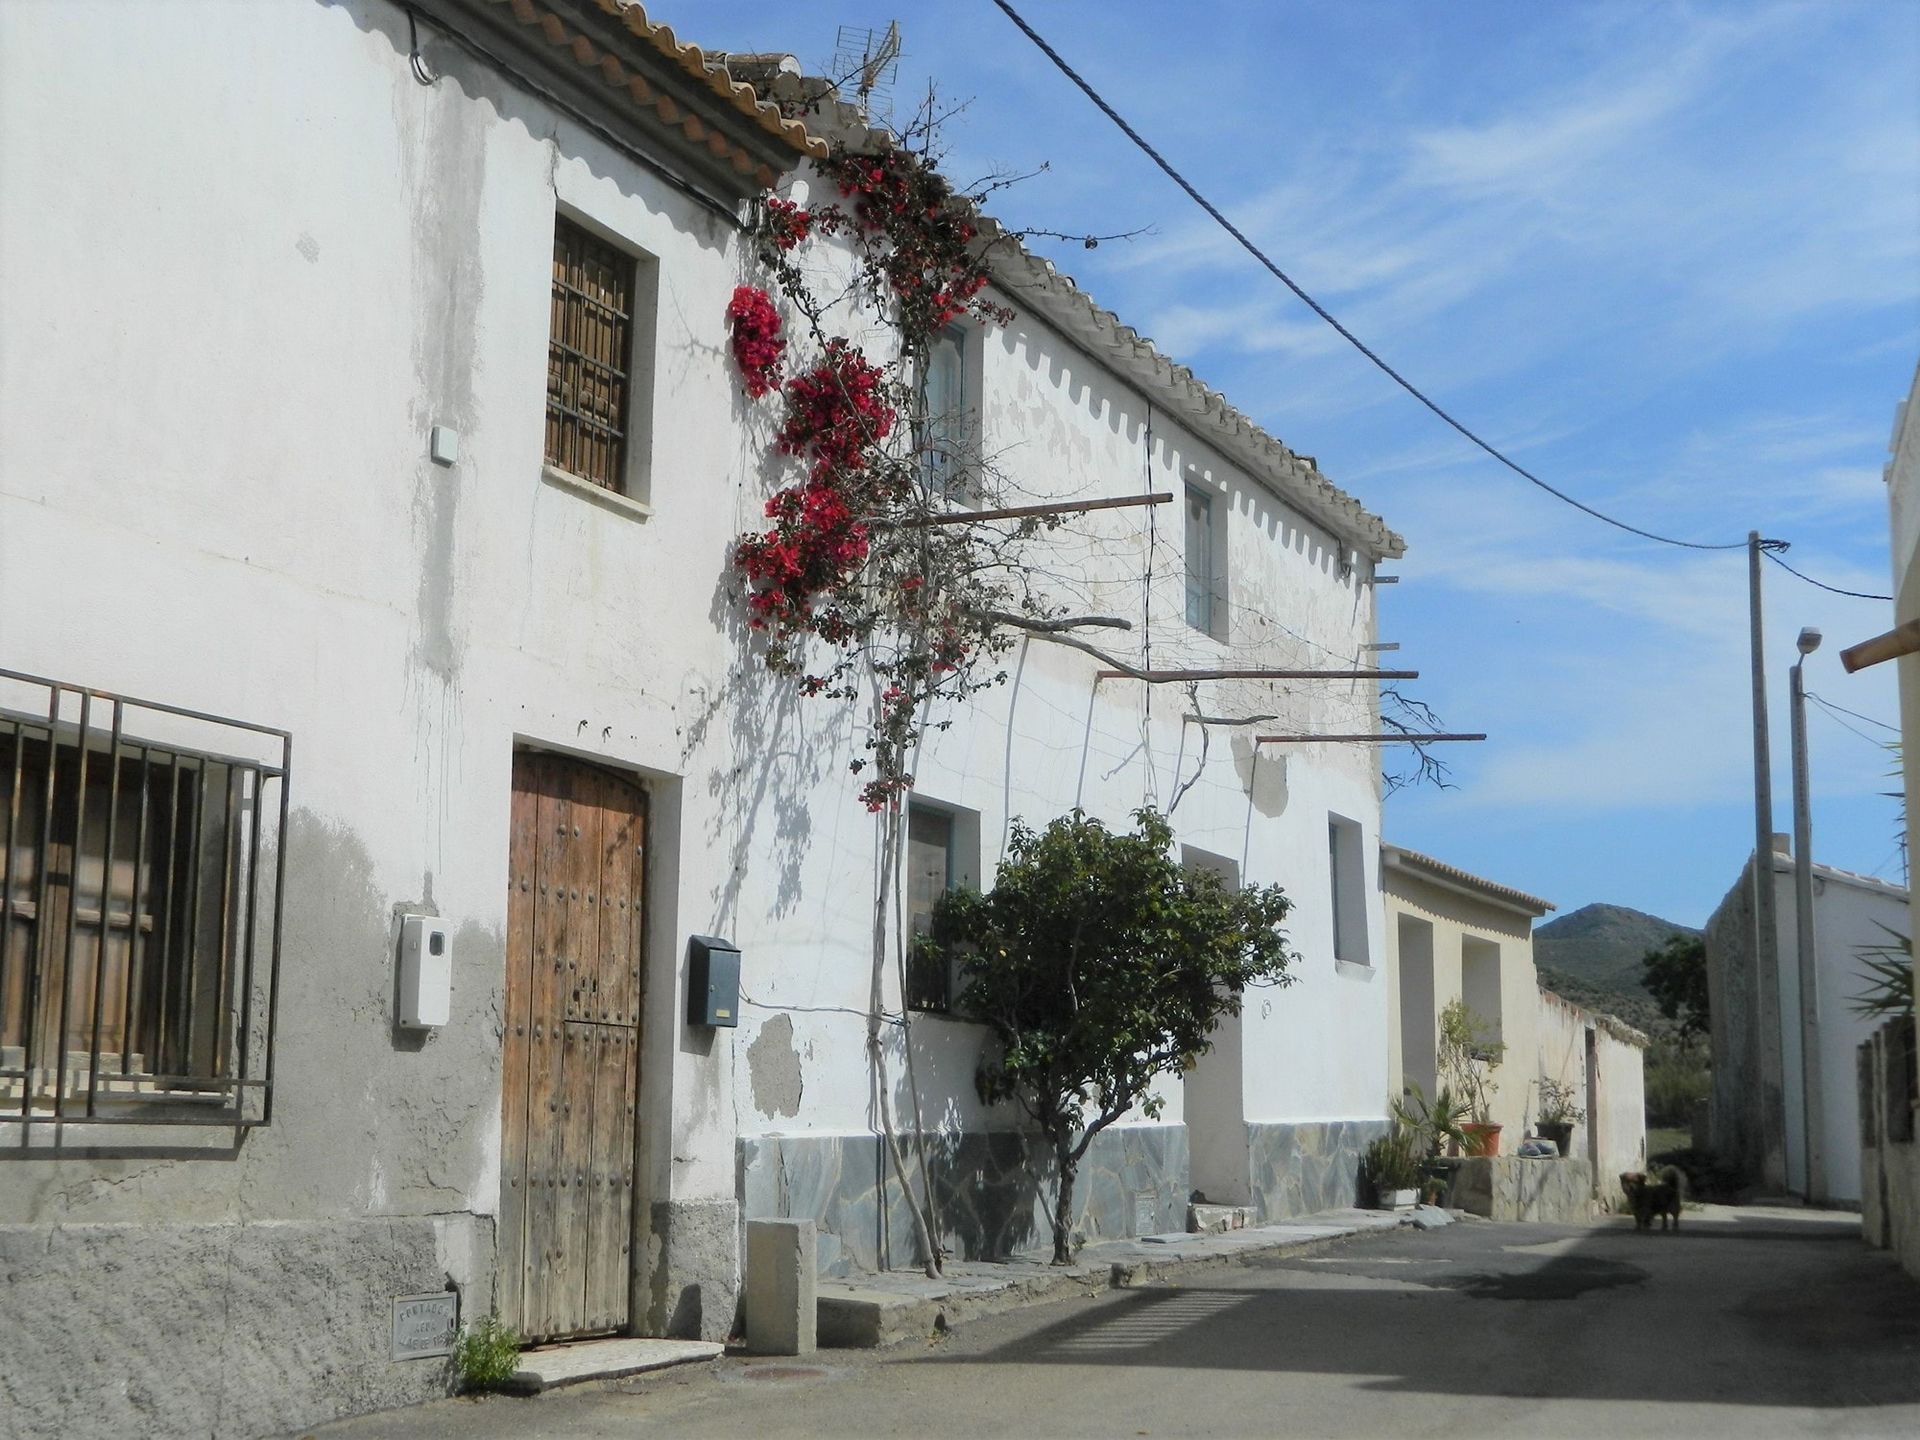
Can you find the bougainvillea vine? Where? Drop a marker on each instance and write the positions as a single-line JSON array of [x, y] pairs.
[[847, 585], [757, 347]]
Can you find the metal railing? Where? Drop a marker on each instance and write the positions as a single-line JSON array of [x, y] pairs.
[[141, 904]]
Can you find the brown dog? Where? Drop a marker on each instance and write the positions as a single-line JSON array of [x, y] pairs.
[[1650, 1196]]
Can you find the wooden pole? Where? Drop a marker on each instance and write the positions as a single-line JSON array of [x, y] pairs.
[[1357, 739], [1901, 640], [1021, 512], [1163, 677]]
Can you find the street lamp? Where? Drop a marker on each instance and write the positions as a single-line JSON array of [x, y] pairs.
[[1810, 1106]]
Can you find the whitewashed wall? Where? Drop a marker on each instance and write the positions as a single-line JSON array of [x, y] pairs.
[[1614, 1133], [247, 262], [1851, 912]]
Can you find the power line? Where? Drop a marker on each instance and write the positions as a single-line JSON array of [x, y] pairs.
[[1321, 310], [1360, 345], [1826, 704], [1835, 589]]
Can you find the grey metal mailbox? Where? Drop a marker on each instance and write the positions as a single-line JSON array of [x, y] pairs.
[[713, 981]]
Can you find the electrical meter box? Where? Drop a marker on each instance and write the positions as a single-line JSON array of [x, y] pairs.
[[426, 972], [713, 981]]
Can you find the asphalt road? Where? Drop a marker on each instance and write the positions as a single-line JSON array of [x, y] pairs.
[[1744, 1323]]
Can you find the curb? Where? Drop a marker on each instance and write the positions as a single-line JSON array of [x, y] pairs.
[[864, 1319]]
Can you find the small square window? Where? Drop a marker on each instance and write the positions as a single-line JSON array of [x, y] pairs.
[[590, 357]]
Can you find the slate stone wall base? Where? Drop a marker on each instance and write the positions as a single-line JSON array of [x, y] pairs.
[[693, 1271], [1312, 1165], [994, 1191], [223, 1329]]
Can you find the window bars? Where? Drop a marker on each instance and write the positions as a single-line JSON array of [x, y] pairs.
[[588, 356], [141, 898]]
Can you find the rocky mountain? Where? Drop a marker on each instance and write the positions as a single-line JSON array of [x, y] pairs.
[[1595, 951]]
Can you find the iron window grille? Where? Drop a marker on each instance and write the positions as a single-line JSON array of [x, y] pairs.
[[589, 355], [141, 898]]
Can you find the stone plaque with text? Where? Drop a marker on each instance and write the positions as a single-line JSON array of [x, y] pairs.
[[424, 1325]]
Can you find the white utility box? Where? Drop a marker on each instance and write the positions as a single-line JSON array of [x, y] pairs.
[[426, 972]]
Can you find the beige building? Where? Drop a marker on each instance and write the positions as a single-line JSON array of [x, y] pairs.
[[1452, 935]]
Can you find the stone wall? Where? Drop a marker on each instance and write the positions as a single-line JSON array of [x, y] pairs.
[[1307, 1166], [222, 1329], [1510, 1188], [994, 1191]]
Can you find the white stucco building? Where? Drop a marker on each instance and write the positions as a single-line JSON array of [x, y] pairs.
[[1851, 914], [367, 396]]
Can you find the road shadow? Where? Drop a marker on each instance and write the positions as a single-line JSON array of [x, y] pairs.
[[1705, 1315]]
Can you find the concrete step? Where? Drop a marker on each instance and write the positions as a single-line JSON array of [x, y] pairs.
[[578, 1360]]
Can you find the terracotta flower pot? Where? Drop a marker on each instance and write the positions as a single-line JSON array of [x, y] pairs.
[[1482, 1139]]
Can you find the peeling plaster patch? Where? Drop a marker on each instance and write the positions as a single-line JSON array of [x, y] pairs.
[[774, 1066], [1262, 776]]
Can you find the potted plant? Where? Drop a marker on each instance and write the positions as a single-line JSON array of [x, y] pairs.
[[1468, 1056], [1393, 1166], [1558, 1113], [1436, 1127]]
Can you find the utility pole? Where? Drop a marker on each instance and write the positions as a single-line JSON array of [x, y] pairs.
[[1765, 976], [1812, 1108]]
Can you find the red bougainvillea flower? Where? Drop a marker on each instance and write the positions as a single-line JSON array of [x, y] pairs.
[[757, 347]]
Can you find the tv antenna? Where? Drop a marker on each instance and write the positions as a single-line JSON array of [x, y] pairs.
[[865, 62]]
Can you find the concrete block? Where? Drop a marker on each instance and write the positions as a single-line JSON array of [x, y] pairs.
[[782, 1287], [1204, 1219]]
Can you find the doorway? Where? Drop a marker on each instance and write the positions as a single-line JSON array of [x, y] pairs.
[[577, 857]]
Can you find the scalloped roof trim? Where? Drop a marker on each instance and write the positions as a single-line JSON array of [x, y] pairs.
[[709, 68]]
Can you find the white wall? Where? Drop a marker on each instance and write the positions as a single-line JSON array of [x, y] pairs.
[[1051, 739], [251, 266], [1849, 913], [271, 261], [1604, 1061]]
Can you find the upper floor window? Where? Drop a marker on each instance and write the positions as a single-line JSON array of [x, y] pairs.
[[1200, 568], [590, 357], [1347, 866], [943, 391]]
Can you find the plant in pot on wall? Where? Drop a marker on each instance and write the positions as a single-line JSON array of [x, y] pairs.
[[1395, 1165], [1435, 1125], [1468, 1056], [1558, 1113]]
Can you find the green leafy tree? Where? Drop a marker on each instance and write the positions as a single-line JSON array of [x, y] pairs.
[[1100, 963], [1676, 976]]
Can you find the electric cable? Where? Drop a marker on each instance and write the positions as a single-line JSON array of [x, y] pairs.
[[1821, 584], [1822, 700], [1354, 340], [1322, 311]]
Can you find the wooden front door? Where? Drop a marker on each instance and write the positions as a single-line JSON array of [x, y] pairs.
[[572, 1047]]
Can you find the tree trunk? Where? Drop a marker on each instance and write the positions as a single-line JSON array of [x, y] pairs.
[[1063, 1204]]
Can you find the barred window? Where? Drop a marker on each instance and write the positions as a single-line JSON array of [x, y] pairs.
[[589, 356], [139, 910]]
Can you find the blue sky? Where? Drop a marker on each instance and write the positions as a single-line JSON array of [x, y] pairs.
[[1668, 256]]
